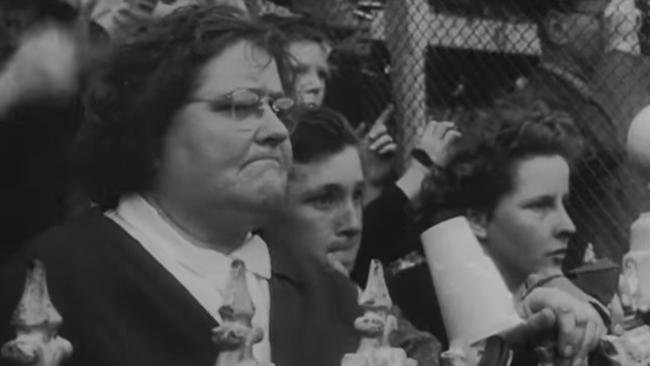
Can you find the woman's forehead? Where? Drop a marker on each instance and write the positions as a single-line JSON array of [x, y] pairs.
[[540, 174], [242, 65]]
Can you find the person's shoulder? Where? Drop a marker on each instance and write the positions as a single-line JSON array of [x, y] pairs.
[[65, 250], [89, 225], [75, 241]]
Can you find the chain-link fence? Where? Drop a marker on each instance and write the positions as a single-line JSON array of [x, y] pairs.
[[442, 59]]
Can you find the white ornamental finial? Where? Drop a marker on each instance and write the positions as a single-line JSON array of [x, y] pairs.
[[37, 322], [236, 335], [376, 325], [590, 255]]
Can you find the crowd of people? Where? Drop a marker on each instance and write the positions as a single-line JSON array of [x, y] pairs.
[[149, 152]]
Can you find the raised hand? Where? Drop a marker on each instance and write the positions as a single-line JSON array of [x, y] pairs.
[[580, 327], [378, 148], [437, 139]]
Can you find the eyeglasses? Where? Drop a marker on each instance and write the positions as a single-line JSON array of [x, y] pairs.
[[245, 103]]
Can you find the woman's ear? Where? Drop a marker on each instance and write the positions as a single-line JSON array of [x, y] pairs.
[[478, 224]]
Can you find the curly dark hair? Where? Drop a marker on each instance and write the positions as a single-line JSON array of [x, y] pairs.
[[319, 133], [482, 170], [148, 78]]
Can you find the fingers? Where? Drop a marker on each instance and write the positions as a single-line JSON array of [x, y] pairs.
[[380, 122], [580, 332], [437, 139], [451, 136], [589, 341], [360, 131], [381, 142], [568, 339], [588, 331], [389, 148], [580, 328], [440, 131], [442, 128]]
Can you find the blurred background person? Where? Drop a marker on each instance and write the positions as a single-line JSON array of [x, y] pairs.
[[310, 48]]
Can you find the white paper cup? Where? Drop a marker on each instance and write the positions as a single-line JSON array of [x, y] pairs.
[[474, 300]]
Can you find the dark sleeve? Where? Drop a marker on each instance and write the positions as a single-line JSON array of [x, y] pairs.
[[418, 345], [35, 142], [600, 284], [386, 223], [496, 353]]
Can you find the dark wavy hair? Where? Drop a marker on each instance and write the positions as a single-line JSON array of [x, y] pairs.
[[320, 133], [147, 79], [482, 170]]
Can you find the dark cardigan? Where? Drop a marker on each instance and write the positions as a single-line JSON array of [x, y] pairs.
[[121, 307]]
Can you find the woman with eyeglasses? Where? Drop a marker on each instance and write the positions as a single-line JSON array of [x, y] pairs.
[[184, 155]]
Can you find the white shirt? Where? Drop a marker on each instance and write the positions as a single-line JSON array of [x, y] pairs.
[[202, 271]]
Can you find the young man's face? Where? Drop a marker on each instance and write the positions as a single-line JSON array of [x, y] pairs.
[[323, 209], [309, 61], [529, 227]]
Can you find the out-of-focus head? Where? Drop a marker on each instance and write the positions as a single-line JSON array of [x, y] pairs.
[[309, 49], [323, 205], [638, 142], [511, 183], [189, 109], [18, 16], [577, 28]]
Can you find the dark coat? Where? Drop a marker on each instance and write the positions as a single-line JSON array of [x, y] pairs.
[[121, 307], [35, 141]]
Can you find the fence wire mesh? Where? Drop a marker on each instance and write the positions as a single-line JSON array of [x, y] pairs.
[[442, 59]]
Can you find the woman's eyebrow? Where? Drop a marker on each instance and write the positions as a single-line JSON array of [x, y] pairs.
[[264, 91], [545, 198]]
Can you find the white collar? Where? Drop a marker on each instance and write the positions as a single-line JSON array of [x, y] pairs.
[[140, 213]]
